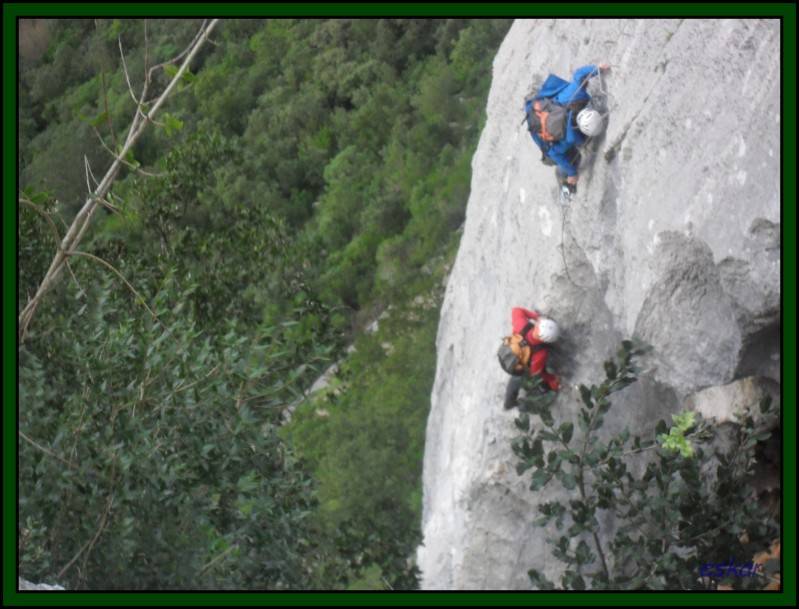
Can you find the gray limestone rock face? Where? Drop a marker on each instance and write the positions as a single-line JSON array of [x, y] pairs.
[[673, 236], [728, 403]]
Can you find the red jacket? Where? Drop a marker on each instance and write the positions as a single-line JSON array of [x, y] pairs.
[[519, 318]]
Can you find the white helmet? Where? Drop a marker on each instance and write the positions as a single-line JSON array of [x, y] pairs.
[[547, 330], [589, 121]]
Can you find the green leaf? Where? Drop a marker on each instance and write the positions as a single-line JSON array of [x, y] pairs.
[[171, 70], [573, 581], [172, 124], [763, 436], [684, 420], [584, 554], [523, 467], [585, 394], [131, 159], [248, 482], [548, 436], [522, 422], [539, 581], [566, 431], [661, 427], [568, 480], [610, 370], [188, 77], [99, 119], [765, 404], [540, 479]]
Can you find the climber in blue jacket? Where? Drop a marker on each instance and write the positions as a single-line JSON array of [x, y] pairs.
[[559, 130]]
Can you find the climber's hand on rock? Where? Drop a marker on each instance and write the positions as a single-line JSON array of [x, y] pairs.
[[572, 180], [604, 67]]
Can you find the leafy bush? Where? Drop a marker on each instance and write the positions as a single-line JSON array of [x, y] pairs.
[[150, 460], [691, 505]]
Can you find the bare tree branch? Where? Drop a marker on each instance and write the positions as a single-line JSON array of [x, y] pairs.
[[82, 220], [125, 70]]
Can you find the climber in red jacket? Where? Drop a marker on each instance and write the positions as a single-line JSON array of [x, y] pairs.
[[544, 331]]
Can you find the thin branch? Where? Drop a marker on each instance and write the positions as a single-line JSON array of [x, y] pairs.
[[47, 451], [218, 558], [124, 162], [120, 275], [79, 427], [202, 31], [654, 445], [152, 120], [89, 544], [190, 385], [146, 49], [581, 486], [125, 70], [88, 171], [74, 278], [111, 207], [107, 113]]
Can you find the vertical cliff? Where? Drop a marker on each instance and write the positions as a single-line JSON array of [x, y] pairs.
[[674, 237]]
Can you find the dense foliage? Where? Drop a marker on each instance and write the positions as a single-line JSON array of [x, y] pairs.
[[693, 504], [306, 175]]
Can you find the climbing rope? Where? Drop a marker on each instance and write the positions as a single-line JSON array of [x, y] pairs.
[[564, 214], [603, 102]]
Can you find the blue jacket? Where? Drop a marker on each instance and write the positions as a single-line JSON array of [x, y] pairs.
[[576, 89], [563, 93]]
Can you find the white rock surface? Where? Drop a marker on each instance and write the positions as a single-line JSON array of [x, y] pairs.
[[674, 237], [23, 584], [728, 403]]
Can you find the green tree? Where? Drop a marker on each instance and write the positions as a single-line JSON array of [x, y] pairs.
[[689, 507], [149, 457]]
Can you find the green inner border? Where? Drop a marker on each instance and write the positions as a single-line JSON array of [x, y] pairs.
[[786, 11]]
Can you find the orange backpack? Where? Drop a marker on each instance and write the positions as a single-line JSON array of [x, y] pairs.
[[546, 119], [515, 352]]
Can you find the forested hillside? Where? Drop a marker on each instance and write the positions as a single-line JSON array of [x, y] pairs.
[[305, 178]]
